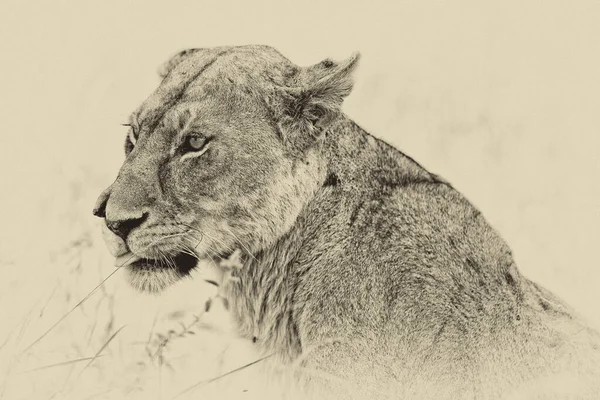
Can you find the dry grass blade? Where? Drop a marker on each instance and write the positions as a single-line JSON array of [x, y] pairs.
[[12, 331], [102, 348], [99, 394], [69, 312], [60, 364], [48, 301], [207, 381]]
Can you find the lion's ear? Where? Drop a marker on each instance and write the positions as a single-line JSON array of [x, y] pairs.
[[317, 95]]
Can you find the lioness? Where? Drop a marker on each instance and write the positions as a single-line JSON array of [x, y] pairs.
[[356, 260]]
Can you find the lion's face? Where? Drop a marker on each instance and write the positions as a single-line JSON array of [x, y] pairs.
[[210, 166]]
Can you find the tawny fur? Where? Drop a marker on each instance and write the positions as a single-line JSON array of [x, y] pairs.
[[358, 263]]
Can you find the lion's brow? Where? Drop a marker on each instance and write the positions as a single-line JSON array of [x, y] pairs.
[[185, 118]]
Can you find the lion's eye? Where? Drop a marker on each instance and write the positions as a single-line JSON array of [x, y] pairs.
[[194, 143]]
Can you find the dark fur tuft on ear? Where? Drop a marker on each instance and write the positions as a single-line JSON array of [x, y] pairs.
[[312, 105]]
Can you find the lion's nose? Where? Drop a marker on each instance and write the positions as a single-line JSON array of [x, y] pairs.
[[123, 227], [122, 209], [100, 206]]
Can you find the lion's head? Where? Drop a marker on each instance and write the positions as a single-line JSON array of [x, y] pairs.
[[223, 155]]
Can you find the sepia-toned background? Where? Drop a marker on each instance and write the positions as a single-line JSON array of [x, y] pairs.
[[499, 97]]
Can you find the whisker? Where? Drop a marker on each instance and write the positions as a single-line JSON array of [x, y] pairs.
[[183, 246], [240, 242], [185, 250], [213, 253], [170, 261], [220, 242]]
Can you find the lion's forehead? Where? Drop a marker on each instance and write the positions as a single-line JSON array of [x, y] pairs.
[[215, 69], [174, 86]]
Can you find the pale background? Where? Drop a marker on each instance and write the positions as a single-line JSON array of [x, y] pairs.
[[501, 98]]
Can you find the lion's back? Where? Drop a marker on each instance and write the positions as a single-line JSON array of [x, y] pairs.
[[420, 283]]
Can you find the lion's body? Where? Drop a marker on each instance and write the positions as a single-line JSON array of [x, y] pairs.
[[411, 284], [361, 264]]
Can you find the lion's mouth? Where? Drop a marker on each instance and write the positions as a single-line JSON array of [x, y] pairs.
[[155, 274], [183, 263]]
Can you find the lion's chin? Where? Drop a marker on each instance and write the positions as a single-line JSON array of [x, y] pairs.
[[155, 275]]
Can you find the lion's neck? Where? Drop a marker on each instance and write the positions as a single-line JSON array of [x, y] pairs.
[[262, 295], [264, 299]]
